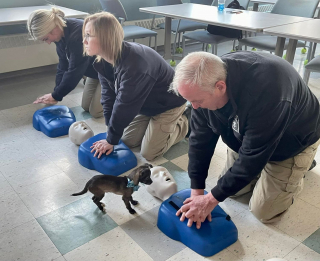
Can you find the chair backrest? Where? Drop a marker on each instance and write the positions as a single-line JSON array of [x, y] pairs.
[[115, 7], [303, 8], [168, 2], [243, 3], [202, 2]]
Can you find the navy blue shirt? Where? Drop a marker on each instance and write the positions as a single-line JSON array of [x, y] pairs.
[[271, 116], [72, 64], [138, 84]]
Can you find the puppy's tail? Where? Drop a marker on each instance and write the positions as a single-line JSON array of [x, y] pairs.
[[85, 190]]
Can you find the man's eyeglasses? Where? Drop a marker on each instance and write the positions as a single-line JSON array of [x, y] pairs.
[[87, 36]]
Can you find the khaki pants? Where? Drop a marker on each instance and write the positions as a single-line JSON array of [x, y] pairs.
[[158, 133], [279, 183], [91, 98]]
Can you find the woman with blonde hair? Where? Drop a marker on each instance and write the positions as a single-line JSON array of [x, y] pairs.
[[135, 80], [51, 26]]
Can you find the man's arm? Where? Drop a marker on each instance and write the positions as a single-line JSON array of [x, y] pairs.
[[264, 129], [202, 143]]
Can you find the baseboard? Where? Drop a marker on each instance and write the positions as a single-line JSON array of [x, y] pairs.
[[41, 69]]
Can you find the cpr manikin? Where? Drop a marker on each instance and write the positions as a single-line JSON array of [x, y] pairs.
[[163, 185], [79, 132]]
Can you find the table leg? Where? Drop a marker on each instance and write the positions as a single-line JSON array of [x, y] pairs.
[[310, 51], [167, 38], [255, 7], [280, 46], [291, 51]]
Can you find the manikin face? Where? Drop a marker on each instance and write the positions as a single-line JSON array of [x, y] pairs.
[[163, 185], [205, 99], [79, 132], [54, 36], [90, 41]]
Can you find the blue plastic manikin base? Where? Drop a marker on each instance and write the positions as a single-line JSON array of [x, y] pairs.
[[53, 121], [119, 161], [210, 239]]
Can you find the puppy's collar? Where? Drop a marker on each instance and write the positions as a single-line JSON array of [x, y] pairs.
[[131, 185]]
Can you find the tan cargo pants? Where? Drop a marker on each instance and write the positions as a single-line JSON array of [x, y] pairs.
[[158, 133], [278, 185], [91, 98]]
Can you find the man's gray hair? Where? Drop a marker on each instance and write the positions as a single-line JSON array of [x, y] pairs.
[[199, 69]]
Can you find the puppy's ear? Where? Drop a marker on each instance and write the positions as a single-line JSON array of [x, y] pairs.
[[148, 165]]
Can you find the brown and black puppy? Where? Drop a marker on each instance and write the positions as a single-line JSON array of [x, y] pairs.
[[100, 184]]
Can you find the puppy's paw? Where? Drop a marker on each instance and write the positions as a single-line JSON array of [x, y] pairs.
[[134, 202], [104, 210], [132, 211]]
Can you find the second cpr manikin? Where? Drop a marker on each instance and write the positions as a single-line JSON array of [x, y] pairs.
[[163, 185], [79, 132]]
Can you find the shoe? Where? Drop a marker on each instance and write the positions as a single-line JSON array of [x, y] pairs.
[[313, 164], [187, 113]]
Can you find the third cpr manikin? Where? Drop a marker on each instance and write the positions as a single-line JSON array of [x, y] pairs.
[[163, 185], [79, 132]]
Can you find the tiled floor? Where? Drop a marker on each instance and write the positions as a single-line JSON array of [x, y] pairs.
[[40, 221]]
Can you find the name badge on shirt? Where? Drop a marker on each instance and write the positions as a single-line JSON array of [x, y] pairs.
[[235, 124]]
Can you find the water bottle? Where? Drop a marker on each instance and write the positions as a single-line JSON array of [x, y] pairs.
[[221, 5]]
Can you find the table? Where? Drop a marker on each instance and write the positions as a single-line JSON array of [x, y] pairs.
[[247, 20], [20, 15], [305, 31]]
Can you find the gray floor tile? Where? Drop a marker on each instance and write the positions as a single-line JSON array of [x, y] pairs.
[[80, 113], [144, 231], [75, 224], [27, 242], [177, 150], [313, 241], [181, 177]]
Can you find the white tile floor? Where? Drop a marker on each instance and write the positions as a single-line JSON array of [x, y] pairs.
[[38, 174]]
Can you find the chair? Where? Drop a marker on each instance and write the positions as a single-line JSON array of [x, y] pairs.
[[312, 66], [206, 38], [179, 26], [130, 31], [305, 8]]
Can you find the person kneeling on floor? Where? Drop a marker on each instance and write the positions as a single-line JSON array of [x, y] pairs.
[[268, 117], [51, 26], [135, 80]]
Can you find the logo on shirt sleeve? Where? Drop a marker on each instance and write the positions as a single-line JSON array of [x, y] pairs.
[[235, 124]]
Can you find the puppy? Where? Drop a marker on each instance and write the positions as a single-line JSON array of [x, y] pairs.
[[125, 186]]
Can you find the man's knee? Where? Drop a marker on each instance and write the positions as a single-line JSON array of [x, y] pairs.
[[266, 214], [260, 213]]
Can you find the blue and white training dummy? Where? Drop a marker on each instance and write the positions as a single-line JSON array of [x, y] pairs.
[[163, 185]]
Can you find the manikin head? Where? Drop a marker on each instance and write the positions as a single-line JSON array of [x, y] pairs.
[[163, 184], [79, 132]]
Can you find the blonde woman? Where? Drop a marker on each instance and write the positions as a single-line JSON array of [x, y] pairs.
[[135, 80], [51, 26]]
